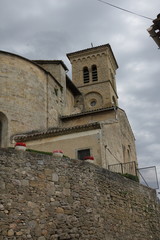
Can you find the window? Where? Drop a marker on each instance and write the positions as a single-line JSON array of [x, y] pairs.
[[93, 103], [94, 73], [129, 153], [3, 130], [85, 75], [0, 133], [83, 153], [124, 153], [56, 91]]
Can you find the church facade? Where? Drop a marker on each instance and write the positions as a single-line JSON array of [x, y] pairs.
[[41, 106]]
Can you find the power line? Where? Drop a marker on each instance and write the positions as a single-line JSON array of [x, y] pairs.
[[124, 9]]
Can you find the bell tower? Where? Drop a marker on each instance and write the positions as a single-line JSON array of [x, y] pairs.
[[93, 73]]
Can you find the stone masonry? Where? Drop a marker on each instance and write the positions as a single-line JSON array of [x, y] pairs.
[[44, 198], [37, 99]]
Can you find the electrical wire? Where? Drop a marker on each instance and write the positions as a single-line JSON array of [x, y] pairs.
[[123, 9]]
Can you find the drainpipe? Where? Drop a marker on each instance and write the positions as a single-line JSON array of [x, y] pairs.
[[47, 101]]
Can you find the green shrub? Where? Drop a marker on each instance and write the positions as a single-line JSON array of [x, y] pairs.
[[130, 176], [36, 151]]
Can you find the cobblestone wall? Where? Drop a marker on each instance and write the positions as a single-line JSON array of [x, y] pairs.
[[44, 198]]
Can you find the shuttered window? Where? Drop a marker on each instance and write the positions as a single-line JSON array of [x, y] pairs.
[[85, 75], [94, 73]]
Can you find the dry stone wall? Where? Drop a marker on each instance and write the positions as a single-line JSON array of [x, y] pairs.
[[44, 198]]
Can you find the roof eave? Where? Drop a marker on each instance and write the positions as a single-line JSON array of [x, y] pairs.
[[87, 113], [55, 132]]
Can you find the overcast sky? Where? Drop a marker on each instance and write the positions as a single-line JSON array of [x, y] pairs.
[[48, 29]]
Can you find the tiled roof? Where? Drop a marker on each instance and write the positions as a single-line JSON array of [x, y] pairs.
[[100, 46], [72, 87], [51, 62], [55, 132], [83, 50], [87, 112]]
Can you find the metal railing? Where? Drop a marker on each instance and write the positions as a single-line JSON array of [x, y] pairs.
[[128, 167], [147, 176]]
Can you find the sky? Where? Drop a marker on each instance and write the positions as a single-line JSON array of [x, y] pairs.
[[49, 29]]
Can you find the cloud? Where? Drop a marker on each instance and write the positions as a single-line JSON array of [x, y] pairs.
[[49, 29]]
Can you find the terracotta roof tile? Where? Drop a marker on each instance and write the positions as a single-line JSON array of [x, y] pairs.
[[100, 46], [55, 132], [51, 62], [83, 50], [87, 112], [72, 87]]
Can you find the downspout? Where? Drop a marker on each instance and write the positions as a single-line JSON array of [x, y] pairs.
[[115, 109], [47, 102], [103, 150]]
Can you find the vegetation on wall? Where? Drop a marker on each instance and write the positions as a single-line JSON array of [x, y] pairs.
[[130, 176]]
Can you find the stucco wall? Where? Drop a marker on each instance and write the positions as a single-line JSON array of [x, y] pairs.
[[113, 143], [128, 139], [88, 118], [71, 143], [47, 199]]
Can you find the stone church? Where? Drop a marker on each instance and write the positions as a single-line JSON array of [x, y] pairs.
[[41, 106]]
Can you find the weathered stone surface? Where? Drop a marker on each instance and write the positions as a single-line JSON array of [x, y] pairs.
[[34, 97], [10, 233], [55, 177], [83, 202], [23, 91]]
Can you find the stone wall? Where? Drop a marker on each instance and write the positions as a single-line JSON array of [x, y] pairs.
[[103, 90], [44, 198], [26, 89], [22, 93]]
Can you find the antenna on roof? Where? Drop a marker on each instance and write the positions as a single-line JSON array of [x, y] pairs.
[[91, 44]]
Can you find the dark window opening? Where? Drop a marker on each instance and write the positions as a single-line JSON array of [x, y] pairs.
[[93, 103], [0, 133], [85, 75], [3, 130], [83, 153], [56, 91], [94, 73]]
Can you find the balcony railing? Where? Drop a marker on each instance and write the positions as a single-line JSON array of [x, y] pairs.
[[128, 167]]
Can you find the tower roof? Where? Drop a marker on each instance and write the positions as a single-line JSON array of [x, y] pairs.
[[92, 49]]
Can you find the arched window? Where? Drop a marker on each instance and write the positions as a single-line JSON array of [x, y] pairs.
[[94, 73], [129, 153], [124, 153], [3, 130], [0, 133], [85, 75]]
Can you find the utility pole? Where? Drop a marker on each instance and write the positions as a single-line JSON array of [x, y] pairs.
[[154, 30]]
